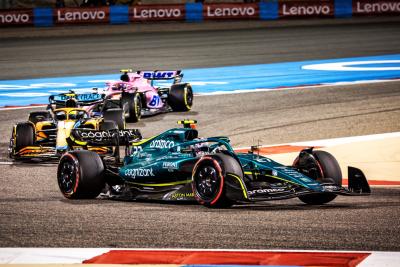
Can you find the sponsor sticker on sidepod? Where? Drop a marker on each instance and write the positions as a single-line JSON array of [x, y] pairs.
[[139, 172]]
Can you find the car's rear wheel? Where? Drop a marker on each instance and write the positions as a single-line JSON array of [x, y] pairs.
[[324, 168], [132, 106], [180, 97], [80, 175], [116, 115], [208, 180]]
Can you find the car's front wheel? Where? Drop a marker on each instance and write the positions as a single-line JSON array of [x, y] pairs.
[[323, 167], [208, 180], [80, 175], [132, 106]]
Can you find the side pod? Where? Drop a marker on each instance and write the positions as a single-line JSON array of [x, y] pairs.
[[357, 181]]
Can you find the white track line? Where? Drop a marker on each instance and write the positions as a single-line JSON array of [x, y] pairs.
[[25, 107], [242, 91]]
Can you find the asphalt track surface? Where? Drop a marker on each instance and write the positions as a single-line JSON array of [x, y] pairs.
[[34, 214]]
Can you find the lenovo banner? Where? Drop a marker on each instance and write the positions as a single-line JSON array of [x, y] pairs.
[[157, 12], [306, 9], [376, 7], [230, 11], [16, 17], [81, 15]]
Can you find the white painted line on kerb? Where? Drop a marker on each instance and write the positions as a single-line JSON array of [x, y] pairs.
[[48, 255]]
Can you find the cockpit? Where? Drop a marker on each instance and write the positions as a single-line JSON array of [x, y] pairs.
[[74, 114], [119, 87]]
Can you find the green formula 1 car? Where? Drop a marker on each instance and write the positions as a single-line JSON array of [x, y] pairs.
[[177, 165]]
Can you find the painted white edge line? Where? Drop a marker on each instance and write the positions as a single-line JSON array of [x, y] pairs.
[[25, 107], [242, 91]]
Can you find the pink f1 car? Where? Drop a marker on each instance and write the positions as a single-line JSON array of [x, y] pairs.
[[137, 95]]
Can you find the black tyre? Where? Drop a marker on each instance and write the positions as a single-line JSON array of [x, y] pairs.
[[328, 170], [116, 115], [180, 97], [132, 106], [208, 182], [108, 125], [80, 175], [37, 116], [24, 135]]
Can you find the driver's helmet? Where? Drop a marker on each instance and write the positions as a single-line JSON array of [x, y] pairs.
[[200, 148], [124, 77], [118, 86], [71, 103]]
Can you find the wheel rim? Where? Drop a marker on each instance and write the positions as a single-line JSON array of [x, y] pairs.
[[313, 167], [207, 182], [67, 177]]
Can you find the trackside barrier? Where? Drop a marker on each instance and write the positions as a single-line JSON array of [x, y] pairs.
[[197, 12]]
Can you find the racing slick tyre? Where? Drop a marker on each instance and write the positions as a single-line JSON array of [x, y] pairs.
[[80, 175], [117, 115], [37, 116], [328, 170], [132, 106], [180, 97], [208, 179], [24, 135]]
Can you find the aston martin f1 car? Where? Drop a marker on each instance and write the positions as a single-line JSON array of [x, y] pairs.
[[44, 135], [177, 165]]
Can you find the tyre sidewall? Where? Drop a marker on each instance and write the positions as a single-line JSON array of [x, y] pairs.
[[24, 135], [89, 174], [178, 98]]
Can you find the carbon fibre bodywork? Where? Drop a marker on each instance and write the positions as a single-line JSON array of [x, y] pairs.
[[171, 166]]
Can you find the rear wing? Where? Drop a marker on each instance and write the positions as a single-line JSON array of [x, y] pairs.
[[80, 99], [161, 74]]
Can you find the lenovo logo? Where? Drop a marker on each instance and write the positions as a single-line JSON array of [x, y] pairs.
[[77, 15], [156, 13], [378, 7], [149, 13], [310, 10], [15, 18], [230, 11]]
